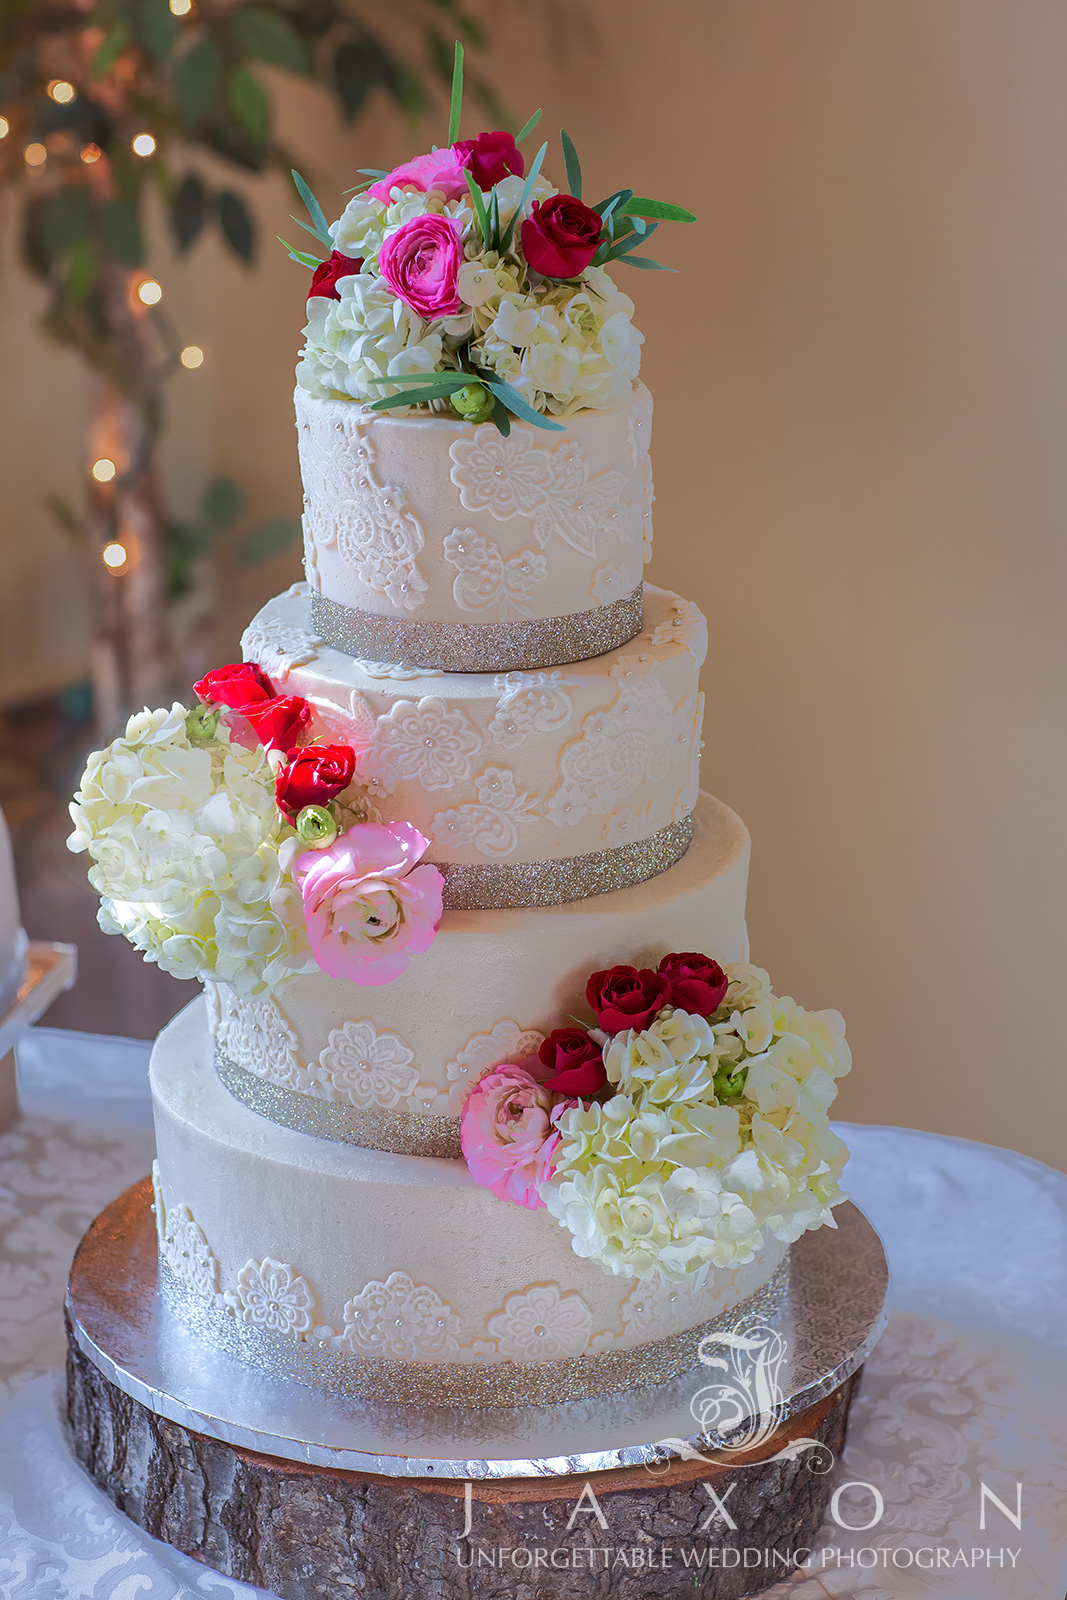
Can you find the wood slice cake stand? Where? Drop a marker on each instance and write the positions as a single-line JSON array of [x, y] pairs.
[[679, 1489]]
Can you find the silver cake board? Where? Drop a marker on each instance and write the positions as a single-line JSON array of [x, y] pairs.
[[313, 1498]]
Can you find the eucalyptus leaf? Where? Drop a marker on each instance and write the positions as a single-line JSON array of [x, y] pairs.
[[571, 162], [609, 206], [629, 242], [531, 179], [456, 109], [413, 397], [315, 211], [501, 418], [640, 207], [517, 405], [323, 238], [304, 257], [528, 127], [478, 202], [373, 172], [456, 380], [645, 263]]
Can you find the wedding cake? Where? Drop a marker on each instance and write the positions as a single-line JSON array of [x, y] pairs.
[[484, 1103]]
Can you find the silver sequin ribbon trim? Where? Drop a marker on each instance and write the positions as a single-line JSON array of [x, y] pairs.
[[340, 1372], [475, 886], [402, 1133], [477, 647]]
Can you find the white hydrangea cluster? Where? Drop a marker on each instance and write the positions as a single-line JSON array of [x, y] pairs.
[[561, 346], [717, 1136], [184, 840]]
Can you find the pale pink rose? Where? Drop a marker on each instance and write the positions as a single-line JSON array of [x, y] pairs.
[[368, 905], [420, 261], [507, 1134], [441, 170]]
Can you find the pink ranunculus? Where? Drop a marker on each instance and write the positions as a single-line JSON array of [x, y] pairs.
[[441, 170], [507, 1133], [368, 905], [419, 262]]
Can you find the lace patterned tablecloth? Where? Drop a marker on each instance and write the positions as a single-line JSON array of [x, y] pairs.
[[967, 1387]]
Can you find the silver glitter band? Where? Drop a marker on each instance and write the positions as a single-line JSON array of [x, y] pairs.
[[476, 886], [403, 1133], [340, 1372], [477, 647]]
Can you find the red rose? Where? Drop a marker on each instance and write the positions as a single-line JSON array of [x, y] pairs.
[[560, 238], [315, 775], [698, 984], [623, 998], [576, 1060], [241, 684], [324, 280], [277, 723], [490, 157]]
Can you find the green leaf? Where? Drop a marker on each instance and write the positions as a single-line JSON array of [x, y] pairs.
[[629, 242], [120, 232], [188, 210], [516, 404], [111, 48], [501, 418], [270, 539], [639, 207], [237, 226], [531, 179], [249, 103], [357, 69], [457, 96], [155, 27], [198, 81], [315, 211], [66, 218], [221, 503], [323, 238], [478, 202], [270, 36], [81, 270], [645, 263], [373, 172], [573, 165], [611, 205], [302, 256], [528, 127], [414, 397], [454, 380]]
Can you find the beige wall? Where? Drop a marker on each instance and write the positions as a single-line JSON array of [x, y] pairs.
[[860, 406]]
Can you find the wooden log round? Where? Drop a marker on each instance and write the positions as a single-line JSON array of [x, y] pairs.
[[309, 1533]]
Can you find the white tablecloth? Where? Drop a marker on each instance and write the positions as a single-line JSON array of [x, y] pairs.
[[967, 1387]]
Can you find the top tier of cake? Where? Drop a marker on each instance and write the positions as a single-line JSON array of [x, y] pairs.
[[441, 544]]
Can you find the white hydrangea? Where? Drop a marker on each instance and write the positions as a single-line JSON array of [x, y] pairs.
[[365, 222], [717, 1136], [364, 335], [184, 841]]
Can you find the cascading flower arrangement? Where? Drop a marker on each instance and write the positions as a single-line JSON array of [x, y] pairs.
[[461, 281], [224, 846], [679, 1132]]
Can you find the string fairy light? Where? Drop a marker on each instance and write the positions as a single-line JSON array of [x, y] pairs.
[[181, 8], [62, 92], [5, 127], [143, 145], [35, 154], [149, 292], [192, 357], [104, 469], [114, 556], [89, 153]]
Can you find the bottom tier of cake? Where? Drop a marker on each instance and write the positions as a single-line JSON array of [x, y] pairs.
[[397, 1277]]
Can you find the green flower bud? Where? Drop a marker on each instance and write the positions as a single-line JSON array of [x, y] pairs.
[[316, 826], [200, 724], [473, 402], [727, 1086]]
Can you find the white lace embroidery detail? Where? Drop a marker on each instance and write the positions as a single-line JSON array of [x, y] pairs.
[[649, 1311], [639, 438], [402, 1321], [542, 1324], [369, 522], [394, 669], [276, 647], [625, 825], [182, 1245], [632, 741], [505, 1041], [256, 1036], [555, 489], [366, 1067], [269, 1294], [491, 823], [529, 702], [427, 741], [485, 581], [687, 627], [609, 583]]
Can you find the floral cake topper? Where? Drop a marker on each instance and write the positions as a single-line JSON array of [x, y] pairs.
[[226, 847], [679, 1132], [464, 283]]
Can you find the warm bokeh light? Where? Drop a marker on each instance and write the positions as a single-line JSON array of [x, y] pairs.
[[5, 127], [149, 292], [35, 155], [144, 144], [62, 92], [192, 356], [114, 555], [89, 153], [181, 8], [104, 470]]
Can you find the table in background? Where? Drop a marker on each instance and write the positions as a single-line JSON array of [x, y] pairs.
[[968, 1385]]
